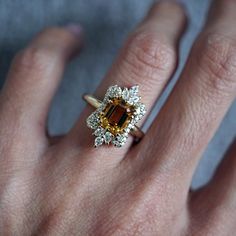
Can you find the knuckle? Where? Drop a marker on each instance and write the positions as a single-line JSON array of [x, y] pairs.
[[146, 55], [217, 59], [33, 59]]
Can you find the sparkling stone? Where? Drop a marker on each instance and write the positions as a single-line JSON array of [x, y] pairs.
[[127, 130], [98, 141], [140, 109], [93, 120], [125, 94], [114, 91], [130, 126], [134, 90], [116, 116], [108, 137], [116, 143], [133, 99], [138, 117], [99, 131], [120, 140]]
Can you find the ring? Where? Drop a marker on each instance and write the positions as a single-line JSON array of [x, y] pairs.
[[116, 116]]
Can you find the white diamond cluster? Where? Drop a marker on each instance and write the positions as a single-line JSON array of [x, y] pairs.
[[129, 96]]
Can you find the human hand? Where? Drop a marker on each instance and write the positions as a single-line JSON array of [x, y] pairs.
[[65, 186]]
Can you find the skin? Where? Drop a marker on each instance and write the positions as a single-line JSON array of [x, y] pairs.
[[64, 186]]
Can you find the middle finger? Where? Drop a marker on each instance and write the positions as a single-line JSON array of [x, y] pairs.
[[147, 59]]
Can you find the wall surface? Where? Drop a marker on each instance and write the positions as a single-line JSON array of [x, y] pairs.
[[106, 25]]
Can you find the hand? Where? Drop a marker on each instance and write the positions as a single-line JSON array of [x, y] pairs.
[[67, 187]]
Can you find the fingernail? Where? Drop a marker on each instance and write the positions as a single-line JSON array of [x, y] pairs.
[[75, 29]]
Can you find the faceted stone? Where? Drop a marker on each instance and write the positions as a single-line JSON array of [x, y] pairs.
[[114, 91], [92, 121], [108, 137], [125, 94], [134, 90], [116, 116], [140, 109], [99, 131], [98, 141], [116, 143], [133, 99], [120, 140]]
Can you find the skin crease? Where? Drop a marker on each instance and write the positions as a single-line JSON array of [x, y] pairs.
[[64, 186]]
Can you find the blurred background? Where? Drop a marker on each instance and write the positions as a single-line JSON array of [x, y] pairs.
[[106, 25]]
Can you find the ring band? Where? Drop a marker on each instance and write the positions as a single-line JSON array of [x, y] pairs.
[[116, 116]]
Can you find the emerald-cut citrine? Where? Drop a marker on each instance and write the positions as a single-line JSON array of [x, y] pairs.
[[116, 116]]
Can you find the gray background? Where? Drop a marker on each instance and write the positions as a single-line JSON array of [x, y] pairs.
[[106, 24]]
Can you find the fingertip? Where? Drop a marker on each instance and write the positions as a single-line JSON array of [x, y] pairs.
[[64, 41], [76, 29], [173, 7]]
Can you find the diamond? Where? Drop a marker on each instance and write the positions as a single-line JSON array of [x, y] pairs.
[[134, 90], [140, 108], [125, 94], [130, 126], [116, 143], [133, 99], [108, 137], [98, 141], [127, 130], [114, 91], [120, 140], [99, 131], [138, 117], [93, 121]]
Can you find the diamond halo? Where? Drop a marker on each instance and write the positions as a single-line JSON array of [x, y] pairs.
[[117, 115]]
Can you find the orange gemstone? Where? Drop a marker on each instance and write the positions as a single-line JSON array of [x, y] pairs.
[[116, 116]]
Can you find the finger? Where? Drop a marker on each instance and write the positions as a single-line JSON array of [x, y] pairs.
[[147, 59], [199, 101], [53, 140], [217, 200], [34, 76]]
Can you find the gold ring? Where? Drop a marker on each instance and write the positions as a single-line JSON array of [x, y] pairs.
[[116, 116]]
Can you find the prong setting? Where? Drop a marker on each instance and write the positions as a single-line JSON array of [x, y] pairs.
[[117, 115]]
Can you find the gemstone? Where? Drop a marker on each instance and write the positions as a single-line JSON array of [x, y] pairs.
[[98, 141], [108, 137], [116, 143], [120, 140], [99, 131], [133, 99], [125, 94], [140, 109], [116, 116], [93, 120], [134, 90], [114, 91]]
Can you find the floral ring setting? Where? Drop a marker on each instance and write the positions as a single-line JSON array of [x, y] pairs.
[[116, 115]]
